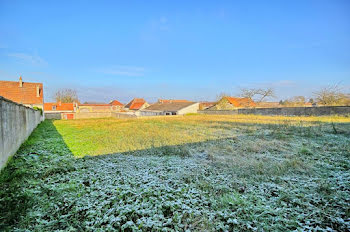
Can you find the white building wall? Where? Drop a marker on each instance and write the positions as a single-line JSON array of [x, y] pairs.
[[189, 109]]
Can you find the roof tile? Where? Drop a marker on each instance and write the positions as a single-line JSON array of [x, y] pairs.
[[27, 94]]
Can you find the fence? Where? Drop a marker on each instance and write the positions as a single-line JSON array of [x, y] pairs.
[[286, 111], [16, 124]]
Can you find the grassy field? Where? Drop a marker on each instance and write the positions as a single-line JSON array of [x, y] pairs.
[[196, 173]]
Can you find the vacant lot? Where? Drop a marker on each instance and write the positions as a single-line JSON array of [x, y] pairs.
[[197, 173]]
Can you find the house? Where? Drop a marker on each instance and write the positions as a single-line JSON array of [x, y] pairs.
[[117, 105], [206, 105], [59, 110], [100, 107], [229, 103], [26, 93], [136, 104], [170, 108], [55, 107]]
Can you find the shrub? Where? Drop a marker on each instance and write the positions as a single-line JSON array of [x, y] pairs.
[[38, 108]]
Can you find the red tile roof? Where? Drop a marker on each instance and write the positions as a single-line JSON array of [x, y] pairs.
[[27, 94], [59, 106], [135, 104], [169, 106], [241, 102], [115, 103]]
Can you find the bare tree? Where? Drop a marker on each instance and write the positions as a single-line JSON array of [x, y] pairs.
[[295, 101], [257, 94], [221, 95], [248, 93], [332, 95], [66, 96]]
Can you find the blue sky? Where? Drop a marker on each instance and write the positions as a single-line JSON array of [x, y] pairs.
[[175, 49]]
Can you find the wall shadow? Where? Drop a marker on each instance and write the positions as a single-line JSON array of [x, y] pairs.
[[43, 154], [44, 158]]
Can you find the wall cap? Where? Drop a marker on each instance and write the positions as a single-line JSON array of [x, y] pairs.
[[8, 100]]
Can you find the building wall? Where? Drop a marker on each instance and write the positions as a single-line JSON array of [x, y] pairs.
[[144, 106], [97, 108], [124, 115], [223, 104], [150, 113], [94, 109], [82, 115], [286, 111], [16, 124], [56, 115], [189, 109]]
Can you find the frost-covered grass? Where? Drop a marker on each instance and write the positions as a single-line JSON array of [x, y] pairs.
[[197, 173], [106, 136]]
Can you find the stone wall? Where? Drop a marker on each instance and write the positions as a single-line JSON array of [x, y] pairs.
[[16, 124], [86, 115], [285, 111], [53, 116], [124, 115], [82, 115]]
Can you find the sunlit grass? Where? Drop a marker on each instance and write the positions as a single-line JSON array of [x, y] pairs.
[[109, 135], [196, 173]]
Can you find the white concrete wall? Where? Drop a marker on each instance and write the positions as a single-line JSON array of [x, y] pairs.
[[189, 109], [16, 124]]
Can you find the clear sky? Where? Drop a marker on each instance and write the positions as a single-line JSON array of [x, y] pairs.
[[175, 49]]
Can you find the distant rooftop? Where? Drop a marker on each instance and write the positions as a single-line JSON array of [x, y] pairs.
[[169, 106], [135, 103]]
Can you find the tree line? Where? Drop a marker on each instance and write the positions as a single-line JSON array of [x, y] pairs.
[[332, 95]]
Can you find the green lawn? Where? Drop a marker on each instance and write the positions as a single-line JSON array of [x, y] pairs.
[[195, 173]]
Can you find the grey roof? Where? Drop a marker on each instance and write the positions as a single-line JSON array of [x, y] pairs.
[[171, 106]]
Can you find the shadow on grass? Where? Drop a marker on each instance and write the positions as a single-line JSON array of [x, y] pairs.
[[37, 178], [43, 154]]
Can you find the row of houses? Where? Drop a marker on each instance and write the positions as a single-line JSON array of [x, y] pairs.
[[32, 95]]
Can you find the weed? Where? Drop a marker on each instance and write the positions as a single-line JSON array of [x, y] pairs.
[[305, 151]]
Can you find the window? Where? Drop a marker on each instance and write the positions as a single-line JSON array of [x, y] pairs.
[[53, 107]]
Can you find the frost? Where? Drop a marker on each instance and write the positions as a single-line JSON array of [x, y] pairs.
[[52, 191]]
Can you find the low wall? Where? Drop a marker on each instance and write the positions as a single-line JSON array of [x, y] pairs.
[[85, 115], [53, 116], [16, 124], [286, 111], [218, 112], [82, 115], [124, 115]]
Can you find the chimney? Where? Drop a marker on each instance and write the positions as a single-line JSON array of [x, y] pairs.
[[38, 91], [20, 82]]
